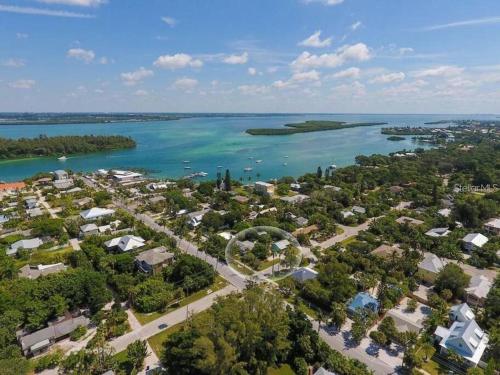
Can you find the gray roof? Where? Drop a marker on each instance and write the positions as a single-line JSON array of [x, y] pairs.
[[89, 227], [462, 312], [32, 243], [479, 286], [432, 263], [53, 331], [158, 255], [323, 371], [33, 272]]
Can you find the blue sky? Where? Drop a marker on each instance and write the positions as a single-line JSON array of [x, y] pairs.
[[370, 56]]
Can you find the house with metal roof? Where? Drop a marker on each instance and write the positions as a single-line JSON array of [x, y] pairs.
[[88, 230], [303, 274], [478, 289], [461, 313], [125, 243], [493, 226], [279, 246], [29, 244], [430, 266], [96, 213], [474, 240], [438, 232]]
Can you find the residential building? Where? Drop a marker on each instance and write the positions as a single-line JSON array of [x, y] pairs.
[[363, 301], [264, 188], [96, 213], [30, 202], [82, 201], [322, 371], [29, 244], [125, 243], [3, 219], [60, 175], [474, 240], [280, 246], [34, 272], [88, 230], [12, 186], [39, 341], [301, 221], [226, 235], [34, 212], [241, 199], [303, 274], [461, 313], [125, 176], [409, 220], [244, 246], [359, 210], [478, 289], [466, 339], [493, 226], [429, 267], [438, 232], [295, 199], [152, 261], [194, 218], [445, 212], [386, 251], [63, 184]]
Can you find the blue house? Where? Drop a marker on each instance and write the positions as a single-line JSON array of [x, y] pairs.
[[363, 301]]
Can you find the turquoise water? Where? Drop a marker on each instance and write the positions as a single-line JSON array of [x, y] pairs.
[[220, 141]]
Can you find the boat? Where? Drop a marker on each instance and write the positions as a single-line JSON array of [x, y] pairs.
[[286, 156], [220, 167], [258, 161], [285, 164], [186, 161], [248, 169], [250, 157], [187, 167], [62, 158], [202, 174]]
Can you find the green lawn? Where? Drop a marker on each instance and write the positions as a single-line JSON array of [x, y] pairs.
[[218, 284], [268, 263], [46, 256], [282, 370], [347, 241], [122, 361]]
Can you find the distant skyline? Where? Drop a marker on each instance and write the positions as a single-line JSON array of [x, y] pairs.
[[330, 56]]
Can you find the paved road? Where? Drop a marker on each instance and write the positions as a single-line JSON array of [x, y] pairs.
[[178, 316], [348, 232]]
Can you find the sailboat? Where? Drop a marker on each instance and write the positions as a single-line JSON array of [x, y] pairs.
[[62, 158]]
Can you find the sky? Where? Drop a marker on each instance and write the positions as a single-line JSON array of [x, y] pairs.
[[331, 56]]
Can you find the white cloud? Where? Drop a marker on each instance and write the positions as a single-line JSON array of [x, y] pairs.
[[177, 61], [311, 75], [356, 25], [82, 3], [272, 69], [356, 52], [22, 35], [315, 41], [185, 83], [14, 63], [99, 91], [472, 22], [104, 60], [405, 88], [253, 89], [405, 50], [348, 73], [135, 77], [440, 71], [236, 59], [355, 89], [325, 2], [252, 71], [170, 21], [23, 84], [87, 56], [141, 93], [389, 77], [42, 12]]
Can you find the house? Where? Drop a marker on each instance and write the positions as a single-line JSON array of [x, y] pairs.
[[295, 186], [30, 244], [396, 189], [301, 221], [194, 218], [125, 243], [63, 184], [358, 210], [409, 221], [429, 267], [12, 186], [279, 246], [34, 272], [157, 199], [346, 214], [331, 187], [60, 175], [82, 201], [473, 240], [88, 230], [39, 341], [362, 301], [445, 212], [241, 199], [493, 226], [385, 251], [478, 289], [264, 188], [437, 232], [96, 213], [466, 339], [34, 212], [3, 219], [303, 274], [244, 246], [323, 371], [125, 176], [461, 313], [152, 261], [30, 202], [295, 199]]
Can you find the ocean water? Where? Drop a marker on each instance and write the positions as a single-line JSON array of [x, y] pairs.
[[209, 142]]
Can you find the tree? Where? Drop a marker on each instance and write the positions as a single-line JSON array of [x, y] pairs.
[[136, 353], [411, 305], [227, 180], [319, 173], [452, 277], [338, 314]]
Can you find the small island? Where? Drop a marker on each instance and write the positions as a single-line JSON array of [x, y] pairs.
[[61, 145], [309, 126], [395, 138]]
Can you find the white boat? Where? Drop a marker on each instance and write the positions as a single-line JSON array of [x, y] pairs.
[[220, 167], [286, 156], [202, 174], [258, 161], [250, 157], [248, 169], [285, 164], [186, 161], [62, 158], [187, 167]]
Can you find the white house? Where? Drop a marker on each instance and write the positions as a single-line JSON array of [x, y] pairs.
[[60, 174], [264, 188], [30, 244], [478, 289], [493, 226], [34, 272], [96, 213], [194, 218], [473, 240], [125, 243], [438, 232], [88, 230], [461, 313]]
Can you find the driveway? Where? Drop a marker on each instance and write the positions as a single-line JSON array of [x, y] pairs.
[[348, 232]]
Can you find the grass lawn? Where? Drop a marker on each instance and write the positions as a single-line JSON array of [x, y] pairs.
[[338, 230], [218, 284], [46, 256], [282, 370], [122, 361], [156, 341], [240, 267], [268, 263], [347, 241], [434, 368]]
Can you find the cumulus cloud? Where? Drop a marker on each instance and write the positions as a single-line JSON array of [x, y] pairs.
[[356, 25], [355, 52], [253, 89], [170, 21], [177, 61], [22, 35], [389, 77], [252, 71], [87, 56], [236, 59], [133, 78], [311, 75], [185, 83], [315, 41], [25, 84], [440, 71], [348, 73], [405, 50], [82, 3], [141, 93], [355, 89], [14, 63], [406, 88]]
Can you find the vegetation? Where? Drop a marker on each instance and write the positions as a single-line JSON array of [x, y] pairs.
[[395, 138], [61, 145], [309, 126]]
